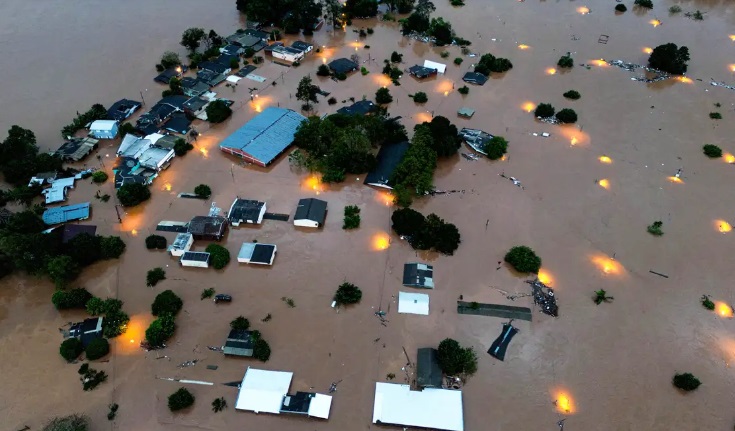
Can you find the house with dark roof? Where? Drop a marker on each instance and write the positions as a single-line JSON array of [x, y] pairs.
[[421, 72], [417, 274], [361, 107], [310, 213], [214, 67], [226, 59], [263, 36], [208, 227], [165, 76], [269, 49], [198, 259], [210, 78], [389, 156], [287, 53], [167, 141], [178, 123], [343, 65], [476, 139], [246, 211], [129, 171], [243, 40], [70, 231], [232, 50], [265, 137], [245, 70], [302, 46], [428, 372], [86, 331], [76, 149], [239, 343], [258, 253], [474, 78], [195, 106], [193, 87], [122, 109]]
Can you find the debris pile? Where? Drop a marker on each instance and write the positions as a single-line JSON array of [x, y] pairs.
[[543, 296]]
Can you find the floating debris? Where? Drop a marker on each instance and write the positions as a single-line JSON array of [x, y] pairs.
[[476, 139], [543, 296]]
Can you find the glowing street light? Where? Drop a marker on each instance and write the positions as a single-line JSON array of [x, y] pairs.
[[605, 159]]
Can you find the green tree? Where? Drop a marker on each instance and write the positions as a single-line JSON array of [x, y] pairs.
[[523, 259], [489, 63], [707, 303], [218, 111], [70, 349], [25, 222], [203, 191], [712, 151], [97, 348], [111, 247], [407, 221], [126, 128], [447, 238], [441, 31], [646, 4], [347, 293], [415, 23], [686, 382], [445, 136], [382, 96], [62, 269], [154, 276], [464, 90], [361, 8], [621, 7], [261, 350], [99, 177], [219, 256], [160, 330], [95, 306], [75, 422], [131, 195], [155, 242], [180, 400], [219, 404], [323, 70], [601, 296], [192, 37], [567, 115], [565, 62], [306, 92], [669, 58], [240, 323], [496, 147], [181, 147], [544, 110], [115, 323], [424, 8], [72, 298], [170, 59], [84, 249], [456, 360], [655, 228], [572, 94], [166, 302]]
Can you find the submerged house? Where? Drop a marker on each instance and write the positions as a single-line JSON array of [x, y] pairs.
[[417, 274], [76, 149], [58, 190], [66, 213], [257, 253], [287, 53], [437, 409], [181, 244], [362, 107], [196, 259], [476, 139], [103, 129], [388, 159], [474, 78], [421, 72], [211, 228], [246, 211], [310, 213], [262, 139], [413, 303], [122, 110], [239, 343], [86, 331], [343, 65], [428, 372]]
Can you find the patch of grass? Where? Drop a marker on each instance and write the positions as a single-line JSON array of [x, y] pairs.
[[289, 301], [207, 293], [715, 115], [655, 228]]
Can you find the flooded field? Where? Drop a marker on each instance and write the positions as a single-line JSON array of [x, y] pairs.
[[589, 192]]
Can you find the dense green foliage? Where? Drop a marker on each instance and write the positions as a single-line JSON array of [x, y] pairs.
[[97, 348], [544, 110], [360, 8], [420, 97], [414, 174], [166, 302], [306, 92], [131, 195], [154, 276], [647, 4], [352, 217], [707, 303], [686, 382], [203, 191], [181, 147], [456, 360], [219, 404], [669, 58], [19, 161], [96, 112], [424, 233], [489, 63], [712, 151], [496, 147], [192, 37], [240, 323], [620, 7], [567, 115], [73, 422], [347, 293], [464, 90], [565, 62], [715, 116], [155, 242], [62, 269], [383, 96], [218, 111], [445, 136], [601, 296], [523, 259], [572, 94], [99, 177], [70, 349], [72, 298], [323, 70], [160, 330], [292, 15], [219, 256], [169, 59], [261, 348], [655, 228], [180, 400]]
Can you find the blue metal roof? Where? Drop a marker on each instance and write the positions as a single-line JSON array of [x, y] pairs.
[[66, 213], [267, 135]]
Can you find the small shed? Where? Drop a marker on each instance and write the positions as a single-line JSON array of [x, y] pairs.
[[441, 68], [417, 274], [87, 330], [466, 112], [246, 211], [239, 343], [181, 244], [428, 373], [195, 258], [253, 252], [413, 303], [310, 213], [208, 227], [103, 129]]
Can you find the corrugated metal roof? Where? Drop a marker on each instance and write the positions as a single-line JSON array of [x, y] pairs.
[[66, 213], [267, 135]]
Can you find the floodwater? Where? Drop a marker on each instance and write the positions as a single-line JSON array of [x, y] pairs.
[[606, 367]]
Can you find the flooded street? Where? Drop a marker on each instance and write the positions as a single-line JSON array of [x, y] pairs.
[[589, 192]]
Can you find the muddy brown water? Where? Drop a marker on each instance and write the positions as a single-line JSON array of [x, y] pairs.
[[610, 365]]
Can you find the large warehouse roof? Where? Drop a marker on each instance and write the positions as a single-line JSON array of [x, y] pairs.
[[439, 409], [266, 136]]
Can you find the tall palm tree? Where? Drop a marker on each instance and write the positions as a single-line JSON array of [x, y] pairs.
[[601, 296]]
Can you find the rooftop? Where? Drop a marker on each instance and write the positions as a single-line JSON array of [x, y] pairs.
[[474, 78], [362, 107], [389, 156], [196, 256], [181, 242], [133, 146], [103, 125], [301, 45], [307, 403], [475, 138], [122, 109], [252, 252], [212, 66], [265, 136], [243, 39], [263, 390], [239, 343], [343, 65], [421, 71], [245, 210], [418, 275], [154, 157], [439, 409], [77, 148], [207, 226], [178, 123], [311, 209], [428, 372], [413, 303], [66, 213], [70, 231], [58, 189]]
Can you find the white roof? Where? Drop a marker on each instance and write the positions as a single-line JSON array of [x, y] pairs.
[[320, 405], [413, 303], [103, 125], [154, 137], [397, 404], [233, 78], [263, 390], [57, 192], [154, 157], [133, 146], [434, 65]]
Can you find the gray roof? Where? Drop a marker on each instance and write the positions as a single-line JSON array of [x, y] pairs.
[[247, 210], [267, 135], [243, 39], [389, 157], [239, 343], [212, 226], [421, 71], [428, 373], [196, 256], [343, 65], [301, 45], [311, 209], [418, 275], [466, 112], [66, 213]]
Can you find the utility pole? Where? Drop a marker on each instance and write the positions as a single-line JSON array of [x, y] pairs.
[[141, 97]]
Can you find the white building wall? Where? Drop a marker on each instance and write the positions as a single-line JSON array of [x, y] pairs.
[[305, 223], [194, 263]]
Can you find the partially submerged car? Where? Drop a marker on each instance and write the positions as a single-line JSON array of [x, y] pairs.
[[222, 298]]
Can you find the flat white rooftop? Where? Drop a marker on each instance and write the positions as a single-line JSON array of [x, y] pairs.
[[263, 390], [439, 409], [413, 303]]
